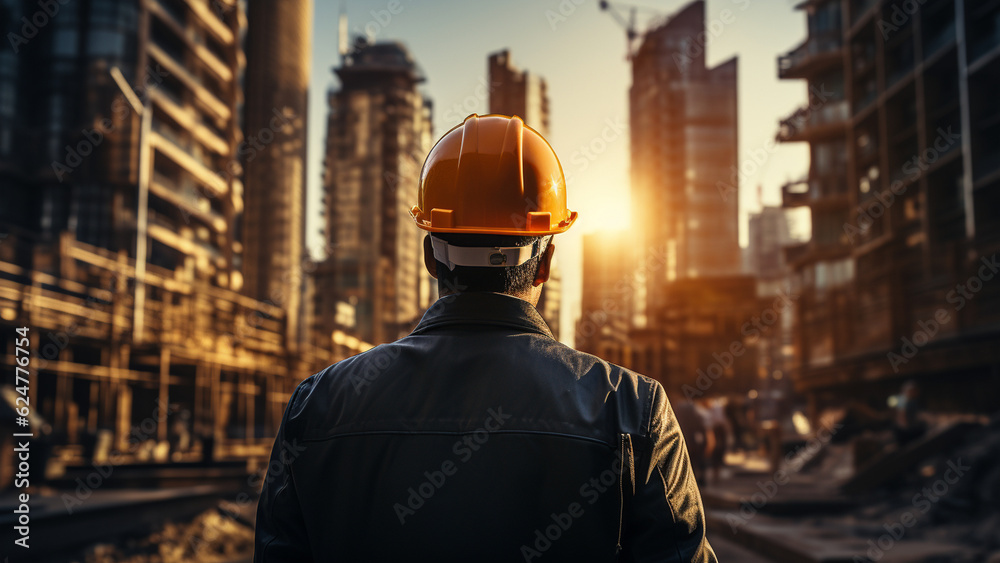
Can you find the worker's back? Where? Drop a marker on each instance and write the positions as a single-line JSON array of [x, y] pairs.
[[479, 437], [476, 438]]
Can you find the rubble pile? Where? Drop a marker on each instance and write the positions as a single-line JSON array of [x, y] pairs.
[[952, 496], [211, 537]]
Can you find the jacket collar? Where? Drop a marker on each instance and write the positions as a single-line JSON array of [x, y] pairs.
[[483, 308]]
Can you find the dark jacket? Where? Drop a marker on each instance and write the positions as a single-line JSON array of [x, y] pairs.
[[479, 437]]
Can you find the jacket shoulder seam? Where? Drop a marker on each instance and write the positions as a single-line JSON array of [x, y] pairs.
[[287, 476], [277, 493], [650, 398], [670, 506]]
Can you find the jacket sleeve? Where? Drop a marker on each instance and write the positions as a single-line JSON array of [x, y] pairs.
[[665, 520], [280, 532]]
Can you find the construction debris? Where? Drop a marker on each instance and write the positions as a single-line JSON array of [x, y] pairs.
[[212, 537]]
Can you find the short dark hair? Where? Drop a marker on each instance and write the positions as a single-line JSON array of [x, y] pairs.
[[511, 280]]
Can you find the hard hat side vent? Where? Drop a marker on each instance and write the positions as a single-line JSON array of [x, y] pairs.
[[442, 218], [539, 220]]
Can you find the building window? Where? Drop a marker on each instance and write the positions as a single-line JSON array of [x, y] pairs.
[[64, 43], [102, 43]]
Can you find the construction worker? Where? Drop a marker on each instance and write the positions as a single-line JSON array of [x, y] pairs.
[[479, 437]]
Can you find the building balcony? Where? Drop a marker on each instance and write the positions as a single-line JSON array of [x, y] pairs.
[[814, 121], [172, 14], [815, 192], [190, 120], [166, 145], [801, 254], [204, 10], [213, 63], [190, 198], [795, 194], [816, 53], [208, 98], [172, 9]]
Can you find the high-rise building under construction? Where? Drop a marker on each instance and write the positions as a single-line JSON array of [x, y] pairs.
[[122, 212], [374, 285], [903, 189], [684, 150]]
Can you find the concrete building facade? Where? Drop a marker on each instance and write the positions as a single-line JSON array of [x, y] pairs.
[[278, 52], [687, 299], [684, 151], [374, 285], [769, 234], [517, 92], [604, 327], [903, 191], [135, 297]]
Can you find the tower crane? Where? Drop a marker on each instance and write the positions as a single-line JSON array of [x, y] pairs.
[[614, 9]]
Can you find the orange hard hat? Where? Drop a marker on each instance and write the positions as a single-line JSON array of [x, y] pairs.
[[492, 175]]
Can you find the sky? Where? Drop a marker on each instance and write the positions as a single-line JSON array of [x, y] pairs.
[[581, 53]]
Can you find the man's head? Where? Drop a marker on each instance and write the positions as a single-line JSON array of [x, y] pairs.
[[492, 193], [523, 280]]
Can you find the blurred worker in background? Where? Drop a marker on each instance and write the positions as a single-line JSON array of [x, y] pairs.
[[718, 426], [907, 424], [695, 432]]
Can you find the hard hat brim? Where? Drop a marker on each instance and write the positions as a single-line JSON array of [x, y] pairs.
[[560, 228]]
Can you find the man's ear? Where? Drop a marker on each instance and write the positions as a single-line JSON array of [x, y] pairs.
[[429, 261], [544, 265]]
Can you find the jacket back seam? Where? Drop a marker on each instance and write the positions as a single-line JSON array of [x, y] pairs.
[[462, 433]]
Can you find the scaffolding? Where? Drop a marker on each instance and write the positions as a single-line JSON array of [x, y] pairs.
[[209, 379]]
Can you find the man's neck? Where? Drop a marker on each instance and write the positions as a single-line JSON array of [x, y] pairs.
[[531, 296]]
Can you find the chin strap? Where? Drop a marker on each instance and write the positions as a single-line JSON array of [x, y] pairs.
[[488, 256]]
